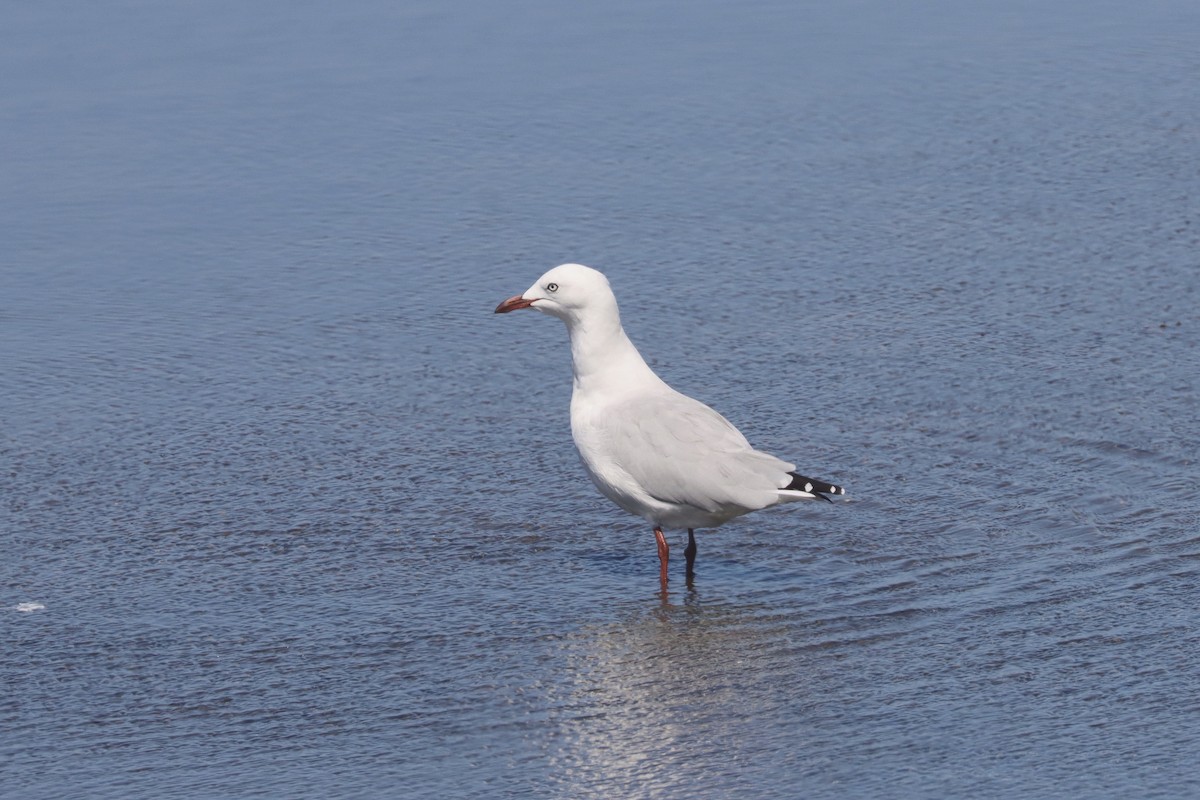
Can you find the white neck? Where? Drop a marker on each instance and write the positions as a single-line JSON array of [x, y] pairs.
[[603, 358]]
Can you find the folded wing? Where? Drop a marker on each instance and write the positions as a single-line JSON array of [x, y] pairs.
[[681, 451]]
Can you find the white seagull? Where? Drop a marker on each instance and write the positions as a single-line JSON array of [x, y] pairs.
[[656, 453]]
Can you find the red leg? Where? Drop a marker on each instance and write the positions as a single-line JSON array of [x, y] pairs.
[[664, 554]]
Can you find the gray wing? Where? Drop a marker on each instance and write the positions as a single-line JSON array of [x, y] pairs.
[[681, 451]]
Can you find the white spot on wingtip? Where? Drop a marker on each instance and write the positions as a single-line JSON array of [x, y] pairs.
[[808, 487]]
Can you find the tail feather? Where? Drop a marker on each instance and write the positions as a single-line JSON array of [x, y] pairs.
[[814, 486]]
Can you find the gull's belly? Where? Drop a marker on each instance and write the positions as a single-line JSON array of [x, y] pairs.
[[604, 468]]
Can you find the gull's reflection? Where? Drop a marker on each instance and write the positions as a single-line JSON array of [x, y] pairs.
[[661, 699]]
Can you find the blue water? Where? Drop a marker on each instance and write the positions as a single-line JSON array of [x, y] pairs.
[[285, 511]]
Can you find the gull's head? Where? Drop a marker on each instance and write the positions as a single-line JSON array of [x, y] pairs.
[[569, 292]]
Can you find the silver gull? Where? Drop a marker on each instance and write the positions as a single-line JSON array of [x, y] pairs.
[[656, 453]]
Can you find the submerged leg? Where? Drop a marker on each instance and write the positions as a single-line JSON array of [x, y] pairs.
[[690, 554], [664, 553]]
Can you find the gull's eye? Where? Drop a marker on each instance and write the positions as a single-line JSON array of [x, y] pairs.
[[551, 287]]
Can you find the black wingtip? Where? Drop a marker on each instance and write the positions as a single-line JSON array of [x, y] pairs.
[[814, 486]]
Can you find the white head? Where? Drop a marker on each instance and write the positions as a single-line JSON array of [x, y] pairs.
[[571, 292]]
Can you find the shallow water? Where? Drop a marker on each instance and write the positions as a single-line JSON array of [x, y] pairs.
[[286, 511]]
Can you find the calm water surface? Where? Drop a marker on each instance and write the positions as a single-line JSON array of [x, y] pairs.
[[285, 511]]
